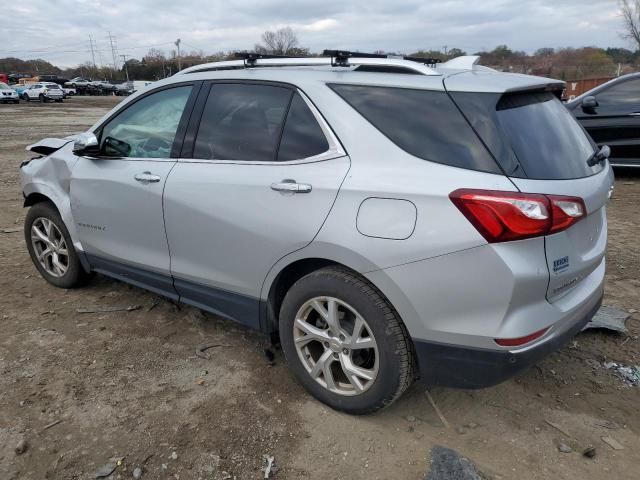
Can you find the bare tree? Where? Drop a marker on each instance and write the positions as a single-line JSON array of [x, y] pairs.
[[283, 41], [630, 10]]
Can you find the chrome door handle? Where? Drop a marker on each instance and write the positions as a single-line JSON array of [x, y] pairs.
[[291, 186], [634, 114], [146, 177]]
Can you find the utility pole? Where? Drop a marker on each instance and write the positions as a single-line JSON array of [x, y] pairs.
[[177, 44], [124, 62], [93, 54], [445, 51], [113, 52]]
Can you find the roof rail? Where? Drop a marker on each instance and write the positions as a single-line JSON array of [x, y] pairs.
[[251, 60]]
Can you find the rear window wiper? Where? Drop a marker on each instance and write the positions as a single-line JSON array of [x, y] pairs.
[[599, 156]]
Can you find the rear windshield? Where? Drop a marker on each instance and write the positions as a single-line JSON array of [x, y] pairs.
[[52, 85], [424, 123], [531, 134]]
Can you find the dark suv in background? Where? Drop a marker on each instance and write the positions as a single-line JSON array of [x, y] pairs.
[[611, 115]]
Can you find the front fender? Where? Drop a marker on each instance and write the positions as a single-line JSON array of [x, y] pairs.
[[51, 177]]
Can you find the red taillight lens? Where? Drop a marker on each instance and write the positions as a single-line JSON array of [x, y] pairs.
[[565, 211], [505, 216], [517, 342]]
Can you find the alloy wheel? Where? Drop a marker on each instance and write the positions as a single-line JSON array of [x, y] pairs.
[[49, 247], [336, 346]]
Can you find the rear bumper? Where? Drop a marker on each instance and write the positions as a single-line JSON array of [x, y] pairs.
[[468, 367]]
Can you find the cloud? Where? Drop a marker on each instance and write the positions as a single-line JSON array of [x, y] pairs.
[[62, 35]]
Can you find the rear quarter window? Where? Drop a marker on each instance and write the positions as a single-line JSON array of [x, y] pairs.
[[426, 124]]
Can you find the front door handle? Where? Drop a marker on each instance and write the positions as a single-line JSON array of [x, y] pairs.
[[146, 177], [291, 186]]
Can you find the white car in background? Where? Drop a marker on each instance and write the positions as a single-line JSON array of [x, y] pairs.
[[8, 94], [77, 82], [44, 91]]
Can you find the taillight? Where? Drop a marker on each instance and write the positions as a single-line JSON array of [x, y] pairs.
[[505, 216]]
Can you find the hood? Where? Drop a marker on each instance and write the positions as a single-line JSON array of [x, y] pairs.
[[47, 146]]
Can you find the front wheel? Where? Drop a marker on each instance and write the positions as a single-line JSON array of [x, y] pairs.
[[344, 341], [51, 248]]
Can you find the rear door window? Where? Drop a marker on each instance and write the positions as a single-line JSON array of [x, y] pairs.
[[531, 134], [424, 123], [242, 122]]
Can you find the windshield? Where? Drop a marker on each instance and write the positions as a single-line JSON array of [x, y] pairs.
[[531, 134]]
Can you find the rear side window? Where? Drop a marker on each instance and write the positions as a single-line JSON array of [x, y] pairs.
[[242, 122], [302, 136], [424, 123], [532, 134]]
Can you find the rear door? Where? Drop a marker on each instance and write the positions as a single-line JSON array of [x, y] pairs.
[[257, 178], [616, 120]]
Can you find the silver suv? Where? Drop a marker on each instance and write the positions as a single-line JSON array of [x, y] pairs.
[[384, 218]]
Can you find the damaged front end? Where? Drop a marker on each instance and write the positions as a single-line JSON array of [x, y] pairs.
[[47, 177]]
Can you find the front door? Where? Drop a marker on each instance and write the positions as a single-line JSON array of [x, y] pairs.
[[256, 183], [616, 121], [116, 198]]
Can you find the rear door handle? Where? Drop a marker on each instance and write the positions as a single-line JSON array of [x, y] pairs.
[[146, 177], [291, 186]]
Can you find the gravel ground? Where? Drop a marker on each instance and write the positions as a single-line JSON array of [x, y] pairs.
[[78, 390]]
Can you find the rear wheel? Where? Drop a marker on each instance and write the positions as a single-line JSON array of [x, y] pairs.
[[344, 341], [42, 98], [51, 248]]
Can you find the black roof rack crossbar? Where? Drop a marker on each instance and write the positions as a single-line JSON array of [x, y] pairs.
[[251, 57], [340, 58]]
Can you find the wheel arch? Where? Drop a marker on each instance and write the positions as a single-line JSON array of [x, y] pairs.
[[293, 267], [37, 197]]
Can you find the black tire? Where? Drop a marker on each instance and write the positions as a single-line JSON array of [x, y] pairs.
[[75, 275], [25, 97], [42, 98], [59, 101], [395, 349]]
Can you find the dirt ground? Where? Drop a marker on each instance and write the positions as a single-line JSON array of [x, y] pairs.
[[129, 385]]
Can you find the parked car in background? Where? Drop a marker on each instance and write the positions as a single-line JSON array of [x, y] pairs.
[[77, 82], [69, 92], [44, 92], [8, 94], [611, 115], [322, 207], [20, 90]]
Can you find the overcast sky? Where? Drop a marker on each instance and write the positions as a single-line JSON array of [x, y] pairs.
[[58, 30]]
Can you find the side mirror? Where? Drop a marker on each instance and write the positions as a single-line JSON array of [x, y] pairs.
[[589, 104], [86, 144]]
